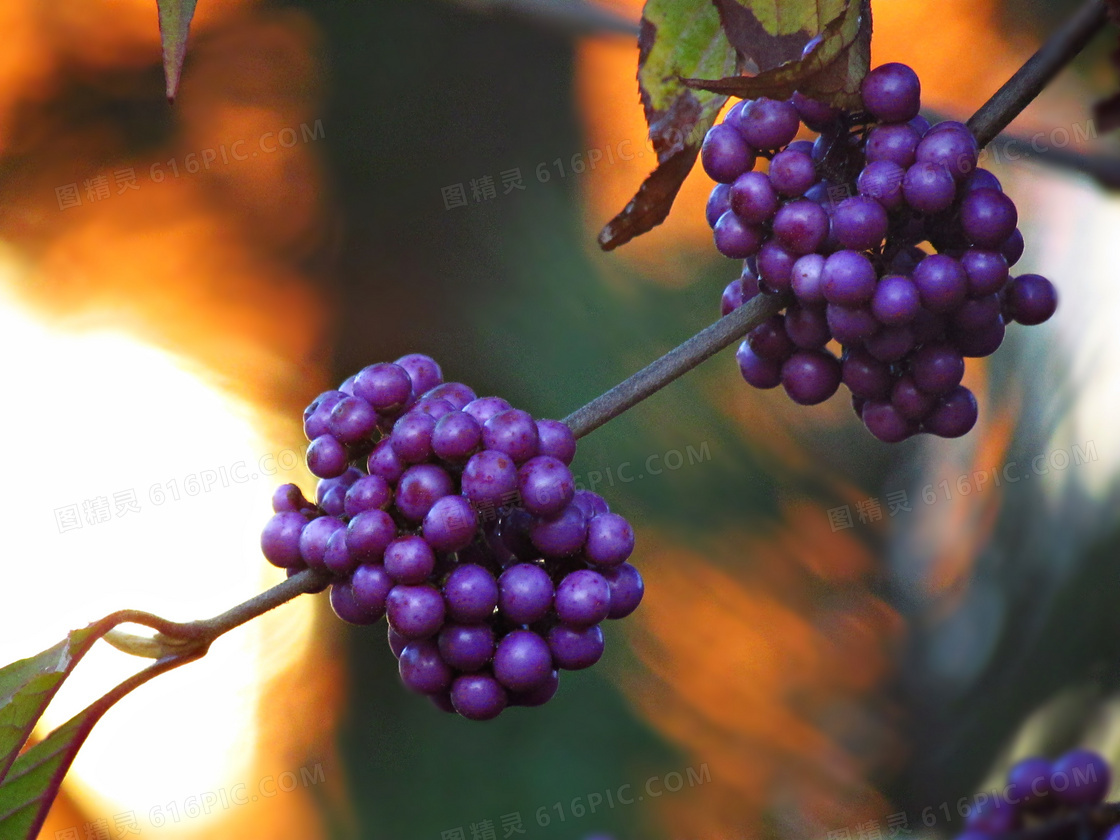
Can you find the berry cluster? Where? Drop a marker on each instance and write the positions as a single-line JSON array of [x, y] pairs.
[[458, 518], [1042, 794], [895, 246]]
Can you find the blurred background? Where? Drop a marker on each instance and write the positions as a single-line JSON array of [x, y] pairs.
[[839, 639]]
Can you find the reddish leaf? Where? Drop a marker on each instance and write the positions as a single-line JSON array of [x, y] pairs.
[[831, 72], [174, 26]]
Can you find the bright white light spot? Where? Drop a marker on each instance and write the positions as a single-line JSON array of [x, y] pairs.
[[133, 482]]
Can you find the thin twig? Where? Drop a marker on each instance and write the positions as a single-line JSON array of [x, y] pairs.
[[993, 116], [175, 639], [678, 361]]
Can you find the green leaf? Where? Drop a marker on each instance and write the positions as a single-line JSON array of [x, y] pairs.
[[831, 72], [174, 26], [35, 777], [678, 38], [27, 686]]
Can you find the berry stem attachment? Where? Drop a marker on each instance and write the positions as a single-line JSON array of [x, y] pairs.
[[1022, 88], [995, 115], [678, 361]]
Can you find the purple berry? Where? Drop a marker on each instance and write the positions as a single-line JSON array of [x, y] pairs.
[[478, 696], [1031, 299], [792, 173], [896, 300], [735, 238], [421, 487], [370, 492], [409, 559], [724, 154], [556, 440], [757, 371], [988, 218], [371, 584], [882, 181], [386, 387], [848, 278], [1080, 777], [892, 92], [806, 279], [422, 370], [895, 143], [326, 457], [954, 416], [456, 436], [450, 524], [811, 376], [807, 327], [490, 478], [610, 540], [313, 539], [719, 202], [885, 422], [775, 267], [986, 270], [753, 198], [347, 608], [416, 612], [583, 598], [937, 368], [545, 486], [859, 223], [281, 537], [769, 339], [890, 344], [1012, 249], [911, 401], [483, 408], [851, 325], [525, 593], [537, 696], [865, 376], [954, 150], [801, 226], [576, 648], [471, 593], [456, 393], [383, 461], [422, 669], [288, 498], [522, 660], [942, 283], [1029, 781], [513, 432], [368, 535], [768, 123], [928, 187], [412, 436], [466, 647], [562, 535], [627, 589]]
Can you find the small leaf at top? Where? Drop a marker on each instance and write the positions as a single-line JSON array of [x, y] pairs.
[[174, 26], [678, 38], [768, 33], [27, 686], [831, 71]]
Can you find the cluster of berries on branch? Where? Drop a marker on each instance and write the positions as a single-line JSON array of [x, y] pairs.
[[457, 517], [1057, 800], [895, 246]]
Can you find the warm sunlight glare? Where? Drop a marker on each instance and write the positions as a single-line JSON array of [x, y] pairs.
[[134, 482]]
